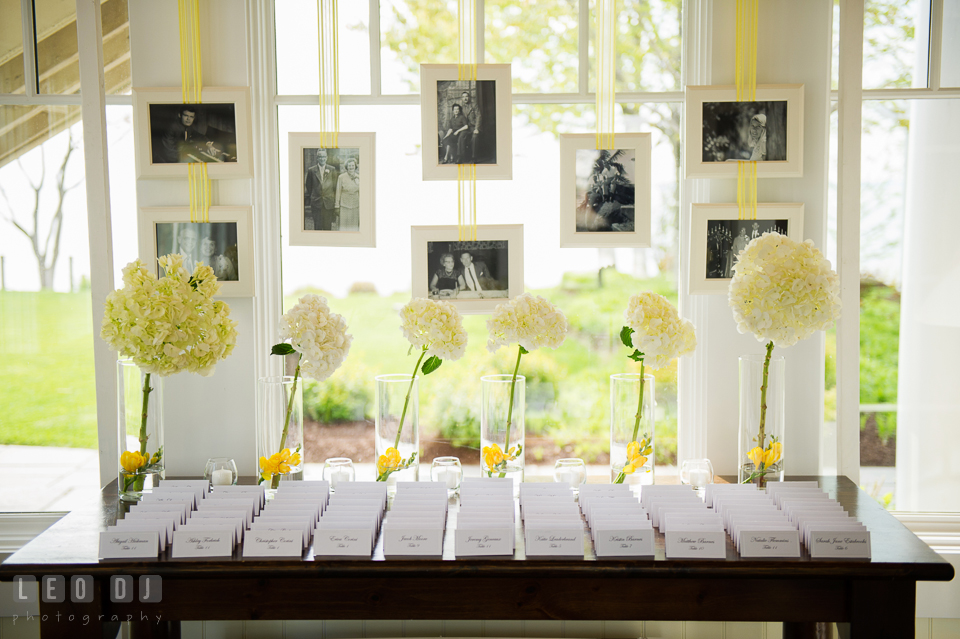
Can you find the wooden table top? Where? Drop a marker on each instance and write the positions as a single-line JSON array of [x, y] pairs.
[[70, 547]]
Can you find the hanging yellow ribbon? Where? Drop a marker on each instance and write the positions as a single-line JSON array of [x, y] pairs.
[[192, 87], [329, 74], [606, 72], [467, 72], [746, 71]]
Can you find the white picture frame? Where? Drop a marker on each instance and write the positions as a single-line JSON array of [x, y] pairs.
[[163, 226], [360, 229], [580, 224], [717, 131], [497, 283], [711, 258], [155, 108], [437, 78]]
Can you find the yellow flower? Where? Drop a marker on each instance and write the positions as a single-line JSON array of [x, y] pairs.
[[390, 460], [756, 456], [772, 456], [635, 460], [132, 460], [492, 455], [279, 463]]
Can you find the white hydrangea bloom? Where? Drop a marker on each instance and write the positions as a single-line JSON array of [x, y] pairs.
[[658, 330], [170, 324], [319, 334], [783, 290], [529, 321], [435, 325]]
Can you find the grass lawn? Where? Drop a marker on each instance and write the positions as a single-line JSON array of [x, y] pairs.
[[47, 394]]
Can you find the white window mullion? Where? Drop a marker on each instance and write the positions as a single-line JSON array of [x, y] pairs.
[[583, 48], [478, 29], [28, 28], [374, 36], [934, 51]]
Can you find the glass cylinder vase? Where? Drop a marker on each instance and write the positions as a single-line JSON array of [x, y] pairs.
[[279, 430], [502, 447], [760, 452], [632, 429], [140, 430], [398, 431]]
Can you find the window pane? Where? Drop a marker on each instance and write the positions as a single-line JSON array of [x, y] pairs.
[[568, 409], [889, 43], [11, 49], [298, 58], [648, 45], [414, 32], [950, 53], [539, 38], [46, 334]]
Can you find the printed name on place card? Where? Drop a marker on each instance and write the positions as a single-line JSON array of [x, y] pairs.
[[352, 542], [841, 544], [700, 544], [116, 544], [623, 543], [188, 544], [772, 543], [273, 543]]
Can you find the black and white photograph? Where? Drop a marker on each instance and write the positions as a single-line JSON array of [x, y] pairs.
[[752, 131], [183, 133], [726, 238], [331, 189], [467, 115], [213, 244], [468, 270], [171, 135], [466, 122], [721, 132], [605, 190], [719, 232], [224, 243]]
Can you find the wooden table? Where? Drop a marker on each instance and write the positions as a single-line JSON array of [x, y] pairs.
[[874, 598]]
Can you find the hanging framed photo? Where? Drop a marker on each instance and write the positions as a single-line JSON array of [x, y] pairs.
[[466, 121], [720, 131], [225, 243], [474, 275], [332, 190], [170, 134], [605, 195], [717, 236]]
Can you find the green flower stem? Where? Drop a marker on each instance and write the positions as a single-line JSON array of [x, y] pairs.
[[636, 424], [406, 401], [275, 480], [513, 386], [143, 413], [761, 434]]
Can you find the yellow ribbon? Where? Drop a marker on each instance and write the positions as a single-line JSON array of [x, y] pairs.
[[606, 72], [467, 71], [748, 12], [199, 192], [329, 74], [192, 86]]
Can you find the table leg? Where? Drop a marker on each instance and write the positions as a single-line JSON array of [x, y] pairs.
[[880, 610], [70, 620], [806, 630]]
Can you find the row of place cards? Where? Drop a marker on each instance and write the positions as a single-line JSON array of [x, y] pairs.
[[753, 521], [348, 527], [486, 523], [416, 522], [619, 525], [552, 525], [690, 529], [825, 528]]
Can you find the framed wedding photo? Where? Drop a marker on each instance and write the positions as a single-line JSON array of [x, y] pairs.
[[605, 194], [466, 121], [473, 275], [332, 190], [225, 243], [720, 132], [717, 236], [170, 134]]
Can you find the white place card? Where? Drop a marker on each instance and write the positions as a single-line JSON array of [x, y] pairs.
[[191, 544], [623, 542], [180, 510], [484, 542], [169, 494], [769, 543], [236, 525], [129, 544], [254, 499], [413, 541], [160, 503], [165, 526], [554, 540], [346, 542], [840, 544], [197, 487], [701, 544], [262, 543]]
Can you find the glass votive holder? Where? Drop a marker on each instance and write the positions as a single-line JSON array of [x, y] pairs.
[[447, 470], [696, 472], [338, 469], [571, 471], [220, 471]]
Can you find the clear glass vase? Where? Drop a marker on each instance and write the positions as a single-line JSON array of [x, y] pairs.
[[632, 438], [760, 455], [502, 447], [278, 432], [398, 432], [139, 430]]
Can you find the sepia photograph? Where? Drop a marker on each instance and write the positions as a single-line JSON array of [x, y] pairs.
[[182, 133], [752, 131], [467, 114], [605, 190], [719, 232], [720, 131], [213, 244], [331, 189]]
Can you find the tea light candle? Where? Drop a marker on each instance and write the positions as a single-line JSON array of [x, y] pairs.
[[570, 477], [338, 476], [222, 477], [698, 477]]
